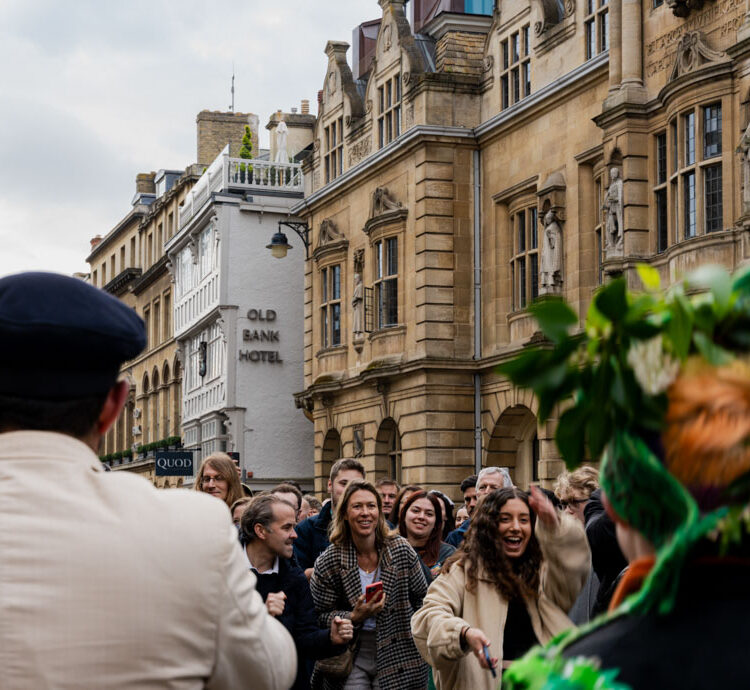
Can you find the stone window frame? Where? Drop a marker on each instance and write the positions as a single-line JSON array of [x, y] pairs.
[[595, 28], [690, 165], [389, 100], [660, 190], [524, 254], [381, 259], [333, 156], [515, 66], [330, 301]]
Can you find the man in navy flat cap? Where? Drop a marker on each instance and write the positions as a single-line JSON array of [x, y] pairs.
[[106, 582]]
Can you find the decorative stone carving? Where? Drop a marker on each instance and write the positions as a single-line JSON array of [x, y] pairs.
[[358, 307], [744, 150], [331, 83], [170, 268], [382, 202], [359, 260], [682, 8], [406, 78], [613, 207], [359, 441], [328, 233], [193, 246], [552, 13], [693, 54], [387, 37], [360, 150], [282, 132], [550, 271], [488, 63]]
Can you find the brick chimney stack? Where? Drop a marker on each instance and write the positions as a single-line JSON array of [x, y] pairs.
[[144, 183], [217, 129], [95, 241], [305, 106]]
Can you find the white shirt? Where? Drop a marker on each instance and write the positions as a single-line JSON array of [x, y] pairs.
[[274, 570]]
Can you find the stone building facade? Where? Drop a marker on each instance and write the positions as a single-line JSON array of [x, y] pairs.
[[130, 262], [485, 161], [238, 316]]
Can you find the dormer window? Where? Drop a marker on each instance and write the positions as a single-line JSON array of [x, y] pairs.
[[334, 153], [515, 80], [389, 111]]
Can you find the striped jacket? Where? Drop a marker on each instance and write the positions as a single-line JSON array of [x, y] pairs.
[[335, 586]]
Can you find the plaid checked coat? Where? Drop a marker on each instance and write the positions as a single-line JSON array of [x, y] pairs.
[[335, 586]]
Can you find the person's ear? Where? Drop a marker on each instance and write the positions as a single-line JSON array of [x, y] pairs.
[[112, 407], [260, 531]]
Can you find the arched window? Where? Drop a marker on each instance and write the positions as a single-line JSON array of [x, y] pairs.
[[388, 450]]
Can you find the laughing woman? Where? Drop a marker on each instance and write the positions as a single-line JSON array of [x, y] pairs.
[[518, 570], [364, 552]]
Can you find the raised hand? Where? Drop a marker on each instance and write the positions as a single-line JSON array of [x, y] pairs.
[[543, 507], [363, 610]]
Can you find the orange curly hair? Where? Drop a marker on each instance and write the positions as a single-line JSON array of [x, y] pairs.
[[707, 436]]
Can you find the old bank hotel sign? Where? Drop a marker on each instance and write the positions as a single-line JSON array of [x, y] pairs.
[[260, 338]]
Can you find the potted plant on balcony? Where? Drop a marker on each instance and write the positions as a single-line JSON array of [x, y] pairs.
[[246, 152]]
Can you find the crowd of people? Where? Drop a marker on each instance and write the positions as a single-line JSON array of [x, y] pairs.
[[386, 586], [617, 571]]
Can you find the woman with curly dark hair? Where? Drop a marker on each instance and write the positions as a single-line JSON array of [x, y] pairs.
[[507, 588]]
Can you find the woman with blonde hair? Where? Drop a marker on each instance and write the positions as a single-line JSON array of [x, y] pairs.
[[364, 552], [217, 476]]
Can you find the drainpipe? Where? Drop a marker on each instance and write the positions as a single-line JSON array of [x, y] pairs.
[[477, 313]]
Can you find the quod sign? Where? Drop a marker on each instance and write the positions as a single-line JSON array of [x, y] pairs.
[[174, 463]]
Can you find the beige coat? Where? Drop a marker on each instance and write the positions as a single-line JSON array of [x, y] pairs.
[[448, 608], [107, 582]]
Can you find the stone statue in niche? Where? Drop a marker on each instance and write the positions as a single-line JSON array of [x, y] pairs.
[[744, 150], [613, 207], [550, 272], [358, 307]]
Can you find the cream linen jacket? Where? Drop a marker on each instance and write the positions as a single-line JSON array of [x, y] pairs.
[[107, 582], [448, 608]]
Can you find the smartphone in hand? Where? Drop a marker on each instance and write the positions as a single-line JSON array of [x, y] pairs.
[[488, 659], [372, 591]]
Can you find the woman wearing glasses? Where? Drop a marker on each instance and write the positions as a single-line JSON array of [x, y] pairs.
[[217, 476]]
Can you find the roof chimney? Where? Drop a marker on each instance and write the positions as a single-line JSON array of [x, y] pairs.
[[305, 106], [144, 183], [95, 241]]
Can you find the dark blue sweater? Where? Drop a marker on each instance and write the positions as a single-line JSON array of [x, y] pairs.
[[312, 537], [298, 618]]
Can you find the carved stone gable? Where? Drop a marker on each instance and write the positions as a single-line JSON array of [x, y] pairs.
[[330, 240], [682, 8], [328, 233], [384, 210], [382, 202], [693, 54]]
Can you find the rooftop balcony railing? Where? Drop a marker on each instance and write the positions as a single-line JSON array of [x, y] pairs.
[[241, 174]]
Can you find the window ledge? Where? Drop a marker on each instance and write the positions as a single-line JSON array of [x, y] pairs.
[[386, 331], [330, 351]]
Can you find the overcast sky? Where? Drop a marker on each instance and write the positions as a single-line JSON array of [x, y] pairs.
[[93, 92]]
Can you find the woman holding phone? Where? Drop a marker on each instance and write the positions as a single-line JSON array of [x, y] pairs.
[[374, 578], [506, 589]]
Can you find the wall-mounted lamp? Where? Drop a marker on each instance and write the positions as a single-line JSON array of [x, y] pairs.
[[280, 246]]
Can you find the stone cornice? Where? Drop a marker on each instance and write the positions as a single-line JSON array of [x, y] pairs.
[[120, 282], [384, 155], [152, 275], [136, 213], [556, 88], [438, 26]]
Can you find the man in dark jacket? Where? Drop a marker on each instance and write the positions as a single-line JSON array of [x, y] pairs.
[[312, 533], [267, 533]]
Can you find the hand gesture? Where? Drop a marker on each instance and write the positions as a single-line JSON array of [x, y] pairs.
[[275, 602], [342, 630], [363, 611], [543, 508], [476, 640]]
